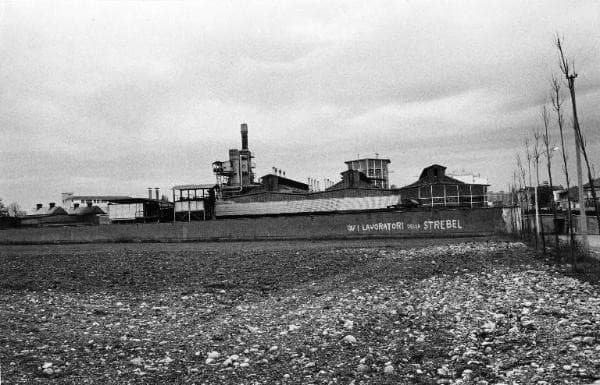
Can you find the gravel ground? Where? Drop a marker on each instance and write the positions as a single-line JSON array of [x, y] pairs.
[[378, 312]]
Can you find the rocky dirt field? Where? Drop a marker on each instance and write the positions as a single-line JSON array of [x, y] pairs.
[[380, 312]]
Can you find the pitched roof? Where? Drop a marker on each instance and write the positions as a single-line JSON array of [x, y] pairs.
[[95, 197], [286, 181], [85, 210], [427, 178], [48, 211]]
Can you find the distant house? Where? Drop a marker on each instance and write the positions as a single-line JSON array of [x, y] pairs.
[[501, 198], [86, 214], [545, 196], [50, 215], [53, 215], [573, 193]]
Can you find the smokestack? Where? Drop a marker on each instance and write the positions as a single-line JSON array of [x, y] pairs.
[[156, 192], [38, 206], [51, 204], [149, 192], [244, 136]]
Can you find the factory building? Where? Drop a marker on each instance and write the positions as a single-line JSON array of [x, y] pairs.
[[236, 175], [435, 188], [194, 202], [69, 200], [375, 169], [353, 179]]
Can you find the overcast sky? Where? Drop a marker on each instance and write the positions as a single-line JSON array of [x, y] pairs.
[[113, 97]]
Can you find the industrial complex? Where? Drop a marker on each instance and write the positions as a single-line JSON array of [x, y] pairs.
[[237, 192]]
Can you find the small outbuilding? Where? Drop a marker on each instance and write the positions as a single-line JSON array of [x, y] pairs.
[[127, 210], [45, 216]]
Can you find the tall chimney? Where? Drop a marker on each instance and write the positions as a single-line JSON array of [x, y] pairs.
[[156, 191], [149, 192], [244, 136]]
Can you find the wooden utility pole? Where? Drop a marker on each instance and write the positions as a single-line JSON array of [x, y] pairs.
[[565, 68], [578, 144]]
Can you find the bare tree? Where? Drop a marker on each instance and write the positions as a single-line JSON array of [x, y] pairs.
[[523, 197], [3, 209], [568, 69], [529, 156], [514, 201], [547, 139], [14, 210], [557, 101], [537, 136]]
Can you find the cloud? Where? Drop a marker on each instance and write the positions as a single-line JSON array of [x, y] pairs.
[[162, 87]]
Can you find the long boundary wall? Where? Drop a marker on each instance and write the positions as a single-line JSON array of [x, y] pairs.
[[390, 224]]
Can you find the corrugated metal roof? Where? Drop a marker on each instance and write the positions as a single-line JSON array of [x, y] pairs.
[[358, 160], [225, 208], [140, 200], [194, 186]]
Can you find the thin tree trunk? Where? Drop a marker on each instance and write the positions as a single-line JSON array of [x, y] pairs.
[[546, 139], [557, 103]]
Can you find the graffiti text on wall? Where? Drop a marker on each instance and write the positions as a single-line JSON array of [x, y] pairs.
[[442, 224]]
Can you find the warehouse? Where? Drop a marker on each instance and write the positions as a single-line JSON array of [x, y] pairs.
[[435, 188]]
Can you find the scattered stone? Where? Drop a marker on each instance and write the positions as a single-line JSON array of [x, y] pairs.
[[350, 339], [292, 328], [588, 340], [489, 327]]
